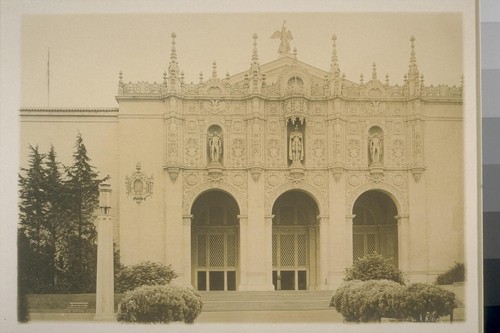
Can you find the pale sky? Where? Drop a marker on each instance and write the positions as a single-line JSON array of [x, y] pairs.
[[88, 51]]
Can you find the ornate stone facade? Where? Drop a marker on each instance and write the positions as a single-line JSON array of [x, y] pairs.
[[288, 127]]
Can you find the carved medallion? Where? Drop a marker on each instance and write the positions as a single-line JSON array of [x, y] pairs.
[[353, 152], [138, 185]]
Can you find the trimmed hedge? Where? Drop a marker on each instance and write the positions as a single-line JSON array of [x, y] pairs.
[[365, 301], [143, 274], [456, 273], [424, 302], [160, 304], [374, 267]]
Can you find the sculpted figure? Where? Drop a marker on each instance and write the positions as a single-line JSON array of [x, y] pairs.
[[375, 149], [296, 150], [285, 36], [215, 144]]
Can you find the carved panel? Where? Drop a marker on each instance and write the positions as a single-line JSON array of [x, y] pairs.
[[238, 152], [353, 152], [238, 180], [318, 179], [172, 142], [319, 152], [214, 106], [255, 144], [398, 152], [273, 108], [273, 152], [192, 151]]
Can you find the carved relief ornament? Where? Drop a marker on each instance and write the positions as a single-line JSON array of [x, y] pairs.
[[138, 185]]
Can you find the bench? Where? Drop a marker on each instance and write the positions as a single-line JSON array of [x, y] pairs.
[[78, 306]]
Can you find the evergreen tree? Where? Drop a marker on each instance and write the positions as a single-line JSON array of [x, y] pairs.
[[55, 226], [82, 199], [32, 253]]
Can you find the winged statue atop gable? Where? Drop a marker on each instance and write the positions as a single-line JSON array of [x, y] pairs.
[[285, 36]]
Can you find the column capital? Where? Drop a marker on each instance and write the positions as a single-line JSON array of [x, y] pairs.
[[269, 218], [401, 217], [186, 219], [323, 218]]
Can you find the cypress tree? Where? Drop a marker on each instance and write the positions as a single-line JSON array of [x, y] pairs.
[[55, 195], [33, 259], [82, 200]]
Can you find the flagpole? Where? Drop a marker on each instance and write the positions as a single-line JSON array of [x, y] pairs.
[[48, 77]]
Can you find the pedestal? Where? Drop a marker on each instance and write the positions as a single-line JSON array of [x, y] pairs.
[[105, 302]]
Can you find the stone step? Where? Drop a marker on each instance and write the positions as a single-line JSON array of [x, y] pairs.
[[266, 301]]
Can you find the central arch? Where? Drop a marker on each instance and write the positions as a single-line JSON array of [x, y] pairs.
[[215, 242], [295, 241]]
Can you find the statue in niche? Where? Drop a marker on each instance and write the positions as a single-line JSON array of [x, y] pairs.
[[215, 145], [296, 150], [375, 149], [285, 36]]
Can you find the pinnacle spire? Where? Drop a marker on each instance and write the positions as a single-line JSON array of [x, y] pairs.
[[334, 67], [255, 56], [214, 70], [413, 74], [374, 72], [173, 68], [255, 67]]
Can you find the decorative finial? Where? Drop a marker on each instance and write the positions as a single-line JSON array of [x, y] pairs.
[[138, 166], [214, 70], [182, 77], [201, 77], [227, 75], [120, 76], [285, 36], [334, 67], [295, 52], [462, 79], [361, 77], [374, 71], [173, 68], [255, 56], [387, 79], [422, 79]]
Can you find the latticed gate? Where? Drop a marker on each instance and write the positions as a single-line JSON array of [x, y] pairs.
[[215, 249], [381, 239], [293, 245]]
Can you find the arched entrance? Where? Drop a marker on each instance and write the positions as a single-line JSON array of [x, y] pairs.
[[215, 242], [295, 241], [375, 226]]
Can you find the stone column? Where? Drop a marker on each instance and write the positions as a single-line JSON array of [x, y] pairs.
[[324, 246], [403, 243], [349, 239], [105, 305], [268, 239], [243, 222], [186, 250]]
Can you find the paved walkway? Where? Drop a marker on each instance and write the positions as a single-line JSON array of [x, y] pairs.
[[316, 316]]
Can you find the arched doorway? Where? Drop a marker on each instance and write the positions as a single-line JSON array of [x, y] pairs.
[[295, 241], [215, 242], [375, 226]]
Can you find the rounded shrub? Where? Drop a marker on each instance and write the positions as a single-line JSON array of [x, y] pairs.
[[374, 267], [160, 304], [423, 302], [143, 274], [456, 273], [365, 301]]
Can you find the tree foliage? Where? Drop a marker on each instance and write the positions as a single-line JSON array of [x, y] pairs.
[[374, 267], [57, 235], [144, 273], [456, 273], [160, 304]]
